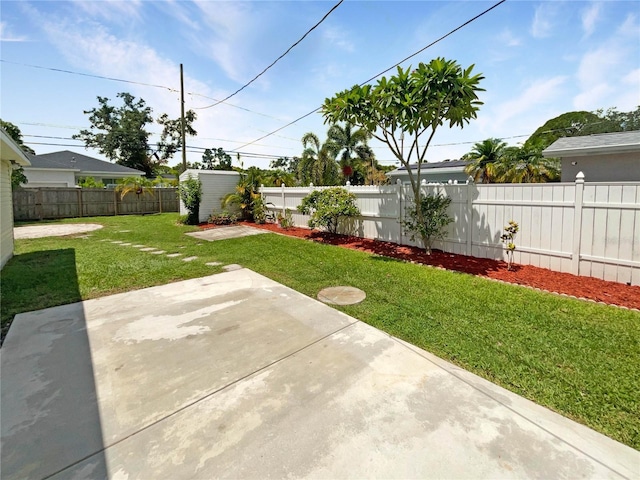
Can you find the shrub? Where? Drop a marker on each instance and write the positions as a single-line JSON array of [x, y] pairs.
[[433, 222], [328, 206], [286, 220], [90, 182], [223, 218], [190, 192]]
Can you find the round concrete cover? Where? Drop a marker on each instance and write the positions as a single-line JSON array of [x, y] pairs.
[[341, 295]]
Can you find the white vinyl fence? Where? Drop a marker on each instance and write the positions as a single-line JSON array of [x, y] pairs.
[[590, 229]]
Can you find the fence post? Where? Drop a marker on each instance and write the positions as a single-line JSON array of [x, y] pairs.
[[399, 187], [469, 225], [283, 199], [115, 202], [577, 224], [80, 202], [39, 209]]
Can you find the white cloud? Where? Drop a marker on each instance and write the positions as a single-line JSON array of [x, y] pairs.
[[111, 10], [338, 38], [590, 16], [603, 76], [544, 20], [507, 38], [540, 94], [6, 35]]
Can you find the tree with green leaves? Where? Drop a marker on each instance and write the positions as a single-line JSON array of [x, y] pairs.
[[17, 174], [526, 165], [120, 133], [576, 124], [412, 103], [216, 159], [483, 158], [171, 136], [350, 146], [16, 135], [318, 164]]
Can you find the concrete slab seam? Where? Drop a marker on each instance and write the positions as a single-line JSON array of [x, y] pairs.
[[487, 394], [195, 402]]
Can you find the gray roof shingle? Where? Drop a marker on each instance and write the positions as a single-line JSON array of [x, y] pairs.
[[67, 159], [601, 143]]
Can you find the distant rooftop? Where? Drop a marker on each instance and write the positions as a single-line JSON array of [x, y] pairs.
[[616, 142], [68, 160], [455, 164]]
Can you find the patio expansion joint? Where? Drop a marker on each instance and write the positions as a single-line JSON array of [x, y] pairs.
[[455, 374], [204, 397]]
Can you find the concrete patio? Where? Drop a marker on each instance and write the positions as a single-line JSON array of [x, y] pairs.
[[236, 376]]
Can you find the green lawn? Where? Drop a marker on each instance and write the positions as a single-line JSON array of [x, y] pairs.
[[579, 358]]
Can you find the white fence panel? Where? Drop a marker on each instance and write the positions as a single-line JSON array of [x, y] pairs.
[[587, 229]]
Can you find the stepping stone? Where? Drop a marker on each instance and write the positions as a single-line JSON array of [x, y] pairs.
[[341, 295], [189, 259], [232, 267], [139, 246], [148, 249], [125, 244], [124, 231], [105, 240], [213, 264], [174, 255], [158, 252], [117, 241]]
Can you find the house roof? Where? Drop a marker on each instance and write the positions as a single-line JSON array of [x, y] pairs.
[[616, 142], [68, 160], [443, 167], [11, 151]]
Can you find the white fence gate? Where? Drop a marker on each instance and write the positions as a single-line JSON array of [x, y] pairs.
[[590, 229]]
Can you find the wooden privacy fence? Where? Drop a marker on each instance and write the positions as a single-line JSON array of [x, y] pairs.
[[49, 203], [590, 229]]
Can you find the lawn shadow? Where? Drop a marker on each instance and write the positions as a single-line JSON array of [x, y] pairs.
[[49, 402]]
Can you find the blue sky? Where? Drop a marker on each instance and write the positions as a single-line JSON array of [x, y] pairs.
[[540, 59]]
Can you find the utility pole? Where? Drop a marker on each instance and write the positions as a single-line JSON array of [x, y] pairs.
[[182, 121]]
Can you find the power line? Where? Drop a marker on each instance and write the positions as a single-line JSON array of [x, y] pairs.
[[90, 75], [277, 59], [173, 90], [372, 78]]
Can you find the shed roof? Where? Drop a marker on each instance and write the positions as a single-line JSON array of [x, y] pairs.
[[616, 142], [68, 160]]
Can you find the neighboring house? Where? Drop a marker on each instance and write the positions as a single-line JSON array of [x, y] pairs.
[[66, 169], [440, 172], [10, 154], [606, 157]]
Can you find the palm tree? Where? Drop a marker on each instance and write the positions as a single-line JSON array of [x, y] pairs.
[[135, 185], [247, 193], [527, 165], [484, 157], [317, 164], [350, 146]]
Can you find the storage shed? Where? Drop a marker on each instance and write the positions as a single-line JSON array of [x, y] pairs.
[[10, 154], [215, 185]]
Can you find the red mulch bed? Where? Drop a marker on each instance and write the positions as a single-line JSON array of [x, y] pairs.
[[582, 287]]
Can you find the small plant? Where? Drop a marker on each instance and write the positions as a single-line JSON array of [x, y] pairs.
[[182, 219], [223, 218], [258, 209], [190, 192], [328, 206], [508, 238], [285, 221], [433, 222]]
